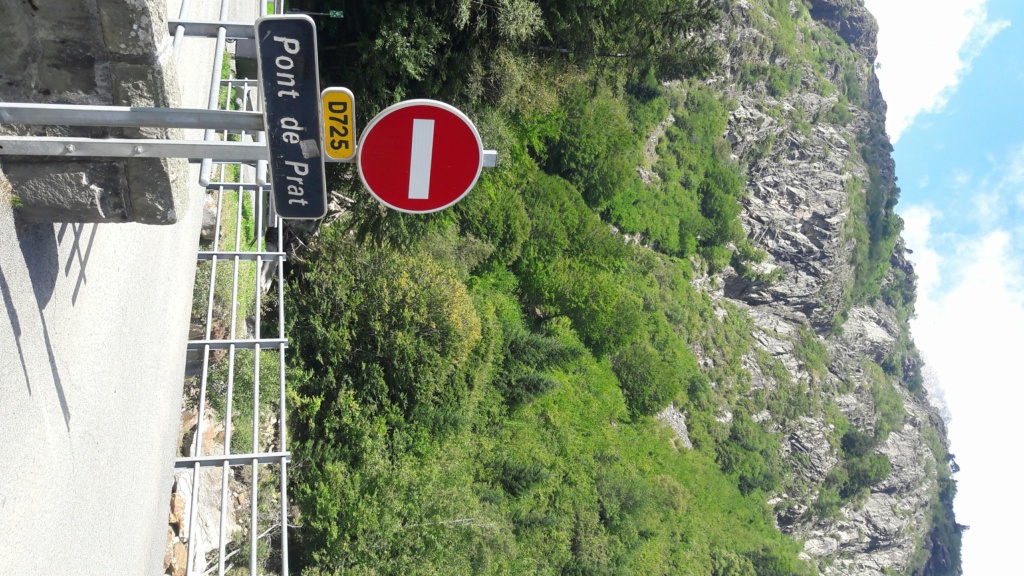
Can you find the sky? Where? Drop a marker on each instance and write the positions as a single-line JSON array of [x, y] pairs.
[[952, 75]]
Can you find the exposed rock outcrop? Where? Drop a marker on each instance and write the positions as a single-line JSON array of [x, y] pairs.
[[852, 21], [808, 151], [676, 420]]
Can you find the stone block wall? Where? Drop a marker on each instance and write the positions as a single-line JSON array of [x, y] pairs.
[[99, 52]]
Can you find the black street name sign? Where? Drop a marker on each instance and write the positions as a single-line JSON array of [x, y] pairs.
[[286, 49]]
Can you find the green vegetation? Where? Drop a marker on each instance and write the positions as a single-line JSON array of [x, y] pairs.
[[943, 556], [790, 46], [693, 208], [840, 113], [861, 468], [875, 226], [243, 398], [472, 391], [237, 233], [790, 400], [226, 72], [888, 402], [13, 200], [438, 428], [751, 454], [746, 257], [812, 352]]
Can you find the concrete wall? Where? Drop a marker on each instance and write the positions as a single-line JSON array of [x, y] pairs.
[[101, 52]]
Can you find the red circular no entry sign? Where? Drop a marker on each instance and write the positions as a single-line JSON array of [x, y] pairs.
[[420, 156]]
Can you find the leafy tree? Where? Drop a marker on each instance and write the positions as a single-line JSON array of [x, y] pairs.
[[648, 383], [667, 36], [727, 563], [526, 356], [396, 329], [751, 454], [597, 149]]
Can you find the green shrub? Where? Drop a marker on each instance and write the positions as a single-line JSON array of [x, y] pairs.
[[648, 383], [864, 472], [827, 503], [397, 328], [496, 214], [888, 402], [779, 82], [840, 114], [745, 256], [767, 563], [752, 454], [526, 356], [726, 563], [518, 477], [694, 208], [861, 468], [812, 353], [853, 90], [597, 150]]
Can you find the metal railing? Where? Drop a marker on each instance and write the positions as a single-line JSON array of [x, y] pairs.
[[259, 255]]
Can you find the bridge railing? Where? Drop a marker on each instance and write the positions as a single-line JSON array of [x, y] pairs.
[[241, 373]]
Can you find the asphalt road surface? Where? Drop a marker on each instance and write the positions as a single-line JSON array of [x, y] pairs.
[[92, 353]]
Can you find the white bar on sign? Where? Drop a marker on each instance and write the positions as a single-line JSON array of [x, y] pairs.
[[422, 157]]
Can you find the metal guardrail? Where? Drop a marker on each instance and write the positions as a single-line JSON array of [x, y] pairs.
[[126, 116], [132, 148], [265, 452]]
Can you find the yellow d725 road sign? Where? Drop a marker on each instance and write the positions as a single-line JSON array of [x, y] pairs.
[[339, 109]]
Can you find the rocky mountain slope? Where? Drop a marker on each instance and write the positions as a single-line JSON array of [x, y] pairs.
[[831, 294], [692, 211]]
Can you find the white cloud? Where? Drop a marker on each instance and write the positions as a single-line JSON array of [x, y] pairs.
[[988, 208], [1015, 167], [925, 48], [961, 178], [972, 335], [917, 224]]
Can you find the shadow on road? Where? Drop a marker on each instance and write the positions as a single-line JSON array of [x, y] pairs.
[[76, 250], [5, 291], [39, 247]]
